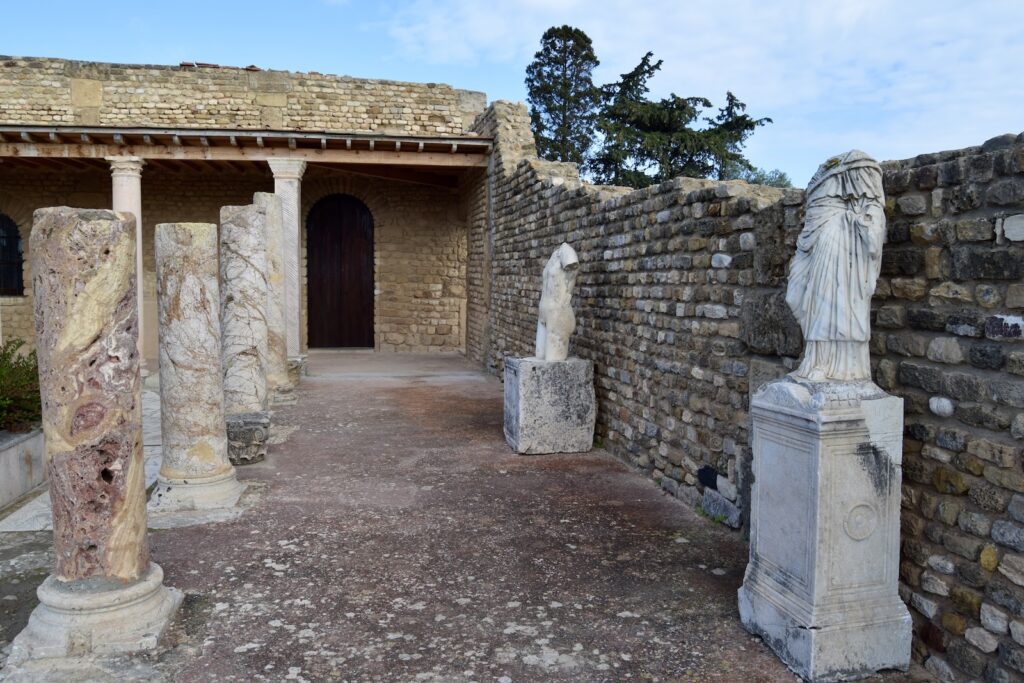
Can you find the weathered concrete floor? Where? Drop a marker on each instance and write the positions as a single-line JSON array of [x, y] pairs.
[[397, 538]]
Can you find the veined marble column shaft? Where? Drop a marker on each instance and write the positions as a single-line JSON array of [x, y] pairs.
[[243, 306], [288, 186], [195, 472], [104, 595], [278, 384]]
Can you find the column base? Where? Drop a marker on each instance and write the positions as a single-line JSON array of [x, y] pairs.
[[177, 495], [863, 643], [296, 368], [247, 437], [96, 617]]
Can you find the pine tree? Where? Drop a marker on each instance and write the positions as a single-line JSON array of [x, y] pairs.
[[562, 96], [645, 142]]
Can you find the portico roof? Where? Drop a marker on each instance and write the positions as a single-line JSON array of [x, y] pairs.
[[229, 145]]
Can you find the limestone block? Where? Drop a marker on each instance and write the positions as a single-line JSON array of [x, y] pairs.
[[194, 472], [821, 585], [550, 406], [243, 304], [247, 437]]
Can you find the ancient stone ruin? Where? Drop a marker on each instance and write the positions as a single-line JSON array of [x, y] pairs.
[[859, 417]]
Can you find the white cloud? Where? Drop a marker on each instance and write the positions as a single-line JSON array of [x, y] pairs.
[[894, 79]]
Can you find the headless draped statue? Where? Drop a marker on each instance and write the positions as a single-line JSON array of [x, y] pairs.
[[555, 321], [835, 268]]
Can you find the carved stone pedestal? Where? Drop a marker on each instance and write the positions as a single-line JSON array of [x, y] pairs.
[[97, 616], [247, 437], [549, 405], [821, 585]]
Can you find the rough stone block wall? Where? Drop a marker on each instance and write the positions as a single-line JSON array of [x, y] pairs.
[[420, 255], [56, 91], [680, 304]]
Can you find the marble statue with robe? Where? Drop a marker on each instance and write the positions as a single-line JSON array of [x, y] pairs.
[[555, 321], [822, 585], [833, 273]]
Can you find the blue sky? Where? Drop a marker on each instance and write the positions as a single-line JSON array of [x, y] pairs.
[[894, 78]]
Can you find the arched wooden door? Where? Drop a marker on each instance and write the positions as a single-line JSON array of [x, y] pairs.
[[339, 271]]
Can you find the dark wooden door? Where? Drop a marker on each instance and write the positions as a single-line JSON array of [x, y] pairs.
[[339, 254]]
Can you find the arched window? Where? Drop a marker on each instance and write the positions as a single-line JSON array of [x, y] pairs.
[[11, 282]]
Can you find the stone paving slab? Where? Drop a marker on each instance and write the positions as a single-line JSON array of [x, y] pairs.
[[396, 537]]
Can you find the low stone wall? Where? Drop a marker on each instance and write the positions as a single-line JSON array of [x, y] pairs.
[[22, 465], [64, 92], [680, 304]]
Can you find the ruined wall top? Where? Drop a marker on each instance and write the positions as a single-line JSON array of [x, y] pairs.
[[44, 91]]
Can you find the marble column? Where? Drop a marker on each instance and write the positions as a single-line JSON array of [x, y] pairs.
[[279, 387], [243, 305], [105, 595], [288, 186], [195, 472], [126, 180]]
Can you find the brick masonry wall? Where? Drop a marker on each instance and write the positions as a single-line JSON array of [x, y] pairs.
[[62, 92], [420, 240], [680, 304]]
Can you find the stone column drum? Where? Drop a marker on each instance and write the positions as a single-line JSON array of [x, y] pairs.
[[104, 596], [279, 386], [195, 472], [243, 305]]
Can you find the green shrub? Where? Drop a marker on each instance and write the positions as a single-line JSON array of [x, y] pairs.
[[20, 408]]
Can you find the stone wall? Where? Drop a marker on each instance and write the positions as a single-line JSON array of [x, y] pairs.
[[56, 91], [420, 239], [680, 305]]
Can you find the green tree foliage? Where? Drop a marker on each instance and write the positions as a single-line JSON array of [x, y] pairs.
[[20, 406], [617, 134], [562, 96], [755, 176], [645, 142]]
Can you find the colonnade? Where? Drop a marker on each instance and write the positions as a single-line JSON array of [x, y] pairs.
[[227, 313]]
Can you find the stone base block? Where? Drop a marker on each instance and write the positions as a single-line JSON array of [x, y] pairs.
[[96, 617], [176, 495], [296, 369], [866, 641], [247, 437], [283, 396], [821, 585], [550, 406]]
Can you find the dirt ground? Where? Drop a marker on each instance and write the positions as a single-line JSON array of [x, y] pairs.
[[392, 535]]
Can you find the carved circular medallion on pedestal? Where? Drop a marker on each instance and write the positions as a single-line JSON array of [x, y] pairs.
[[861, 521]]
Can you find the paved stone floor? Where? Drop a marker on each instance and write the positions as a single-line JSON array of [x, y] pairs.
[[391, 535]]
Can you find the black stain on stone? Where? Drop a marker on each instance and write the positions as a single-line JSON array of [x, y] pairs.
[[877, 466]]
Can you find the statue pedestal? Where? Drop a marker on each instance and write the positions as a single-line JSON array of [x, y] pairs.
[[821, 585], [549, 405]]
